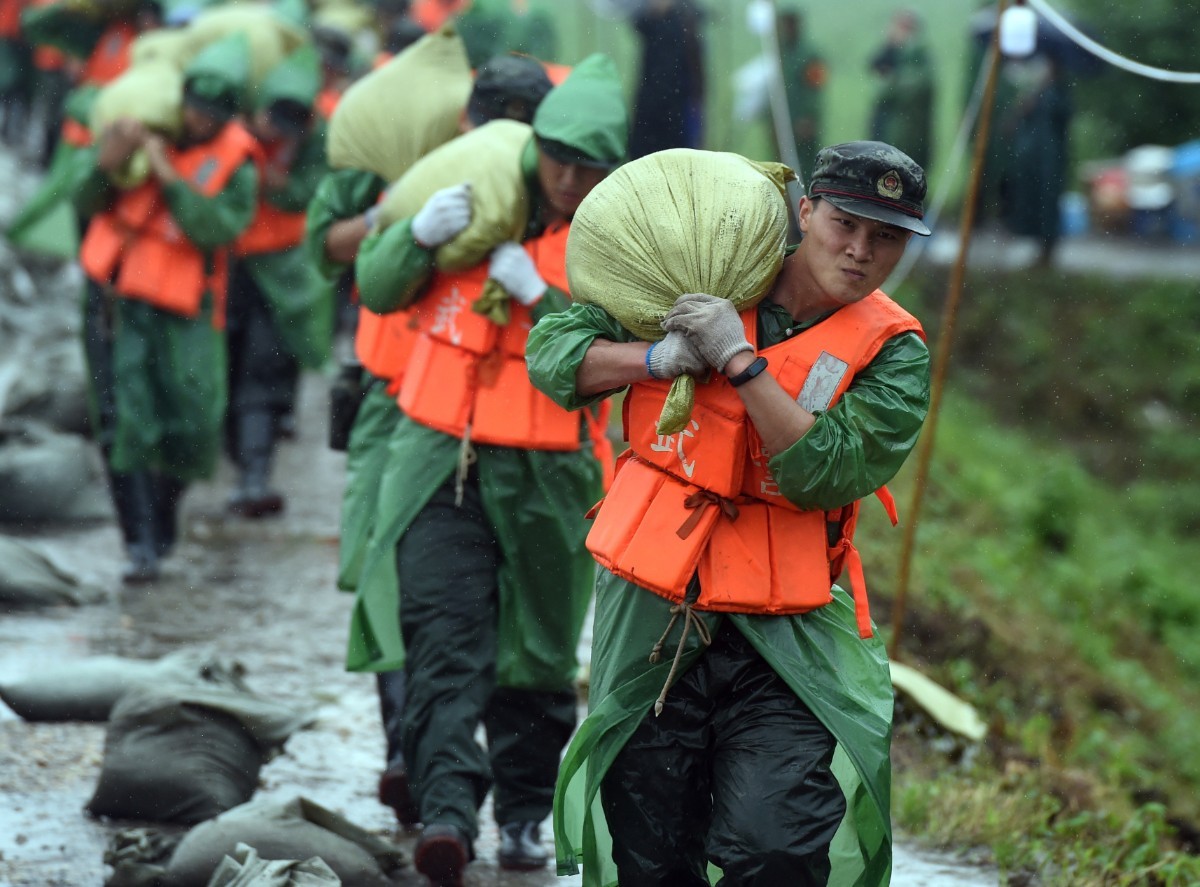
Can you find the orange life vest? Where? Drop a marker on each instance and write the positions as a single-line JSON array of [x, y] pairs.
[[326, 102], [468, 372], [110, 57], [75, 133], [137, 246], [703, 502], [383, 344], [10, 19], [273, 229]]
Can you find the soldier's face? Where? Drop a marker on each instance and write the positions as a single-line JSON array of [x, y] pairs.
[[564, 185], [198, 126], [847, 256]]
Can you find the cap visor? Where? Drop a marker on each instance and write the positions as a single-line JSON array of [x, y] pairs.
[[874, 211], [214, 109], [561, 153]]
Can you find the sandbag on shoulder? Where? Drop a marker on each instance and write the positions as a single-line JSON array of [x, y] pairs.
[[272, 37], [674, 222], [186, 753], [285, 830], [398, 113], [489, 157], [88, 688], [152, 94]]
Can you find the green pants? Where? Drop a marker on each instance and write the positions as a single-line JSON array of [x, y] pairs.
[[448, 564]]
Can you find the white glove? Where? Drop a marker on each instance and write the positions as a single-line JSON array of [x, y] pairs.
[[513, 269], [674, 355], [710, 324], [444, 216]]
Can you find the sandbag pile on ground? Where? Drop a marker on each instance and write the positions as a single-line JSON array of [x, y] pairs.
[[292, 829], [185, 752], [674, 222], [87, 689], [400, 112], [47, 477], [246, 869], [29, 579]]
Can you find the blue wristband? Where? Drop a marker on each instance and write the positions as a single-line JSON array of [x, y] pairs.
[[648, 370]]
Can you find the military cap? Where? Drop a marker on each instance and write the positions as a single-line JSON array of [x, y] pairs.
[[873, 180]]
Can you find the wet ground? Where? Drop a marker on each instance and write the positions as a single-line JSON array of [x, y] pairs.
[[261, 592]]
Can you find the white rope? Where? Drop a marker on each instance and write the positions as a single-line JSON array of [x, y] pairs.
[[1084, 41]]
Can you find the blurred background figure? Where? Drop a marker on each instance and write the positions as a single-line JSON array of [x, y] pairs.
[[494, 27], [903, 113], [804, 75], [668, 107]]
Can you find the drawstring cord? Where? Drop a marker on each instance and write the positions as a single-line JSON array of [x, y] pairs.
[[466, 458], [690, 620]]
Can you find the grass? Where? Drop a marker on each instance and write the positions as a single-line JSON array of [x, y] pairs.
[[1053, 582]]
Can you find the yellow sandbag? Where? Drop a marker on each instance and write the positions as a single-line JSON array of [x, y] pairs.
[[488, 157], [172, 46], [674, 222], [400, 112], [348, 18], [272, 38], [152, 94]]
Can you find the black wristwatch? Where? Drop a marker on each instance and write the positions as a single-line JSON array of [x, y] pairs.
[[757, 366]]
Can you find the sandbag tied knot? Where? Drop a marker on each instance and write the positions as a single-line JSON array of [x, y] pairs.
[[697, 502], [467, 456], [690, 620]]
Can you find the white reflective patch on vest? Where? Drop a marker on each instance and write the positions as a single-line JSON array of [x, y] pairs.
[[822, 383], [447, 311], [668, 443]]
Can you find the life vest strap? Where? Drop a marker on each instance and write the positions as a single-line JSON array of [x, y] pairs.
[[697, 502]]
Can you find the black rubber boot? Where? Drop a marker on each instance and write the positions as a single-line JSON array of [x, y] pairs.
[[133, 495], [394, 788], [168, 492], [254, 497], [521, 847]]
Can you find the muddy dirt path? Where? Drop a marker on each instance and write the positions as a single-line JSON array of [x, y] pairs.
[[258, 592]]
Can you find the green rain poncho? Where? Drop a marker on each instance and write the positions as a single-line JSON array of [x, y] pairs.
[[527, 494], [343, 194], [170, 370], [301, 304], [843, 679]]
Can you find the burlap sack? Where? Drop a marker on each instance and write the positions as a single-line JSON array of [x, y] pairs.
[[490, 159], [674, 222], [272, 38], [400, 112], [151, 93], [171, 46]]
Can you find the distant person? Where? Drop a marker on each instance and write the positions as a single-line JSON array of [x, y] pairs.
[[804, 74], [155, 259], [1035, 129], [668, 108], [524, 26], [903, 113]]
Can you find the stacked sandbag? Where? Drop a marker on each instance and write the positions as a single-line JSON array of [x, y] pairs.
[[489, 158], [245, 868], [30, 580], [293, 829], [87, 689], [398, 113], [186, 753], [674, 222]]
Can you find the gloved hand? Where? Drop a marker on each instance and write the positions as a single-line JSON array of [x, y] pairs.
[[513, 269], [711, 325], [444, 216], [674, 355]]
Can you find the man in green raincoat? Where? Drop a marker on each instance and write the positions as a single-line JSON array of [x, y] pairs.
[[804, 75], [486, 541], [903, 113], [746, 749], [155, 258], [280, 315], [339, 218]]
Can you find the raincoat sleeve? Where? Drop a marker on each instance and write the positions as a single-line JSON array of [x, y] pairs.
[[210, 222], [304, 177], [556, 346], [860, 443], [391, 269], [342, 194], [94, 191]]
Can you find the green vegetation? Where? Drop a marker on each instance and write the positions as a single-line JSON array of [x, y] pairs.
[[1053, 582]]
